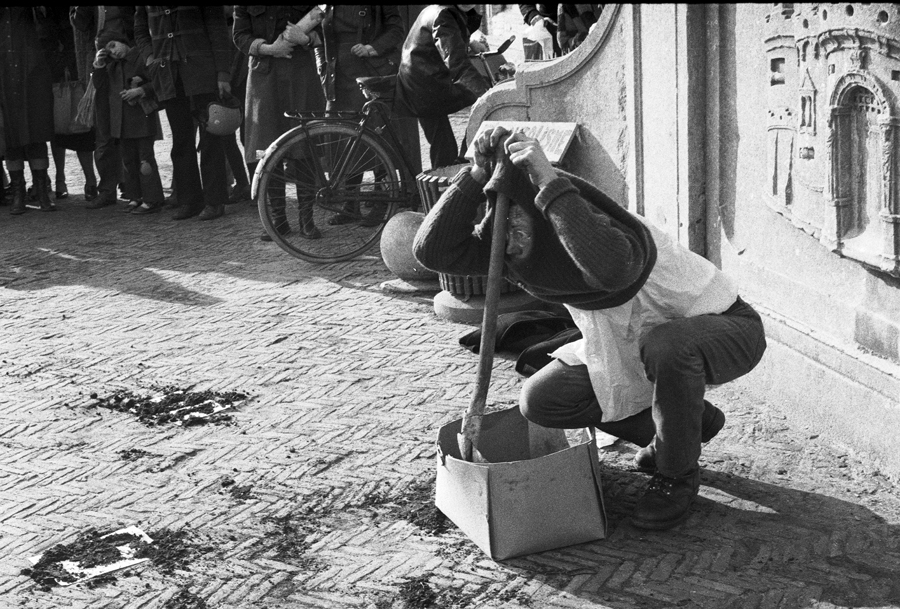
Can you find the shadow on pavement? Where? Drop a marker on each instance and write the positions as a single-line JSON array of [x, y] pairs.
[[746, 544]]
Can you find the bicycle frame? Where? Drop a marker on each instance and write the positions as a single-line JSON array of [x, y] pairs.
[[360, 122]]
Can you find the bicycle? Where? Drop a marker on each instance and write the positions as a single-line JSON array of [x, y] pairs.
[[350, 174]]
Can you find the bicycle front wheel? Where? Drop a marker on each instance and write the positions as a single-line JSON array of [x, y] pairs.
[[325, 192]]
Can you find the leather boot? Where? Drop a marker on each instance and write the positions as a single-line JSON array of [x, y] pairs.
[[276, 196], [17, 188], [211, 212], [42, 189], [713, 422], [308, 228], [667, 501]]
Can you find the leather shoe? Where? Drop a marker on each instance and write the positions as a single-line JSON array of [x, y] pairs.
[[713, 422], [99, 202], [186, 211], [666, 502], [211, 212]]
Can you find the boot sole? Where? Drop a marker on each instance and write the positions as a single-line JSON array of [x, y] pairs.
[[654, 525]]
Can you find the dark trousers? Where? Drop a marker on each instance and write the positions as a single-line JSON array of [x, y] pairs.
[[680, 357], [106, 154], [205, 184], [439, 134], [142, 173]]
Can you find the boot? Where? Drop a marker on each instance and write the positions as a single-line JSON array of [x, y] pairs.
[[667, 501], [307, 224], [17, 186], [211, 212], [42, 189], [713, 422]]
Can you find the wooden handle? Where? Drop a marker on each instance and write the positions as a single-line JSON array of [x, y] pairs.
[[471, 423]]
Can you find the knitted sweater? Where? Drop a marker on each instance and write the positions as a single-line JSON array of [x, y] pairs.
[[588, 252]]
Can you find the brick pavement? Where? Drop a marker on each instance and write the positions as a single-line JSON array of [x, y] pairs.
[[349, 384]]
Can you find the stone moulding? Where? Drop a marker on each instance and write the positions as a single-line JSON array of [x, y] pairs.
[[515, 95]]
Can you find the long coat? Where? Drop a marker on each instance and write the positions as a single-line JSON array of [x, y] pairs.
[[344, 26], [274, 85], [436, 75], [193, 38], [26, 90], [124, 120]]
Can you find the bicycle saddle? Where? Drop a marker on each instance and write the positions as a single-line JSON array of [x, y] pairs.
[[379, 87]]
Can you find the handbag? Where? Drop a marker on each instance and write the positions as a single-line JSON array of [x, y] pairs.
[[67, 94]]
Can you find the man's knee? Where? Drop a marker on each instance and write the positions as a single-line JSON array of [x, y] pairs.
[[666, 345], [533, 402]]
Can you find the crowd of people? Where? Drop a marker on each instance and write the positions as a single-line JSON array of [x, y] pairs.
[[129, 64], [133, 63]]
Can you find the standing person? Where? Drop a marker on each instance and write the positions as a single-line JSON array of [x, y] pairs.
[[659, 321], [436, 76], [103, 24], [240, 191], [133, 122], [282, 76], [359, 40], [188, 55], [26, 100], [64, 66]]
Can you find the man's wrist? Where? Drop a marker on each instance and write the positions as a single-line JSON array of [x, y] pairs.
[[479, 174]]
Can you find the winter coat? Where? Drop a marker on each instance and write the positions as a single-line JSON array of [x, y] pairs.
[[274, 85], [190, 42], [379, 26], [127, 121], [436, 76], [26, 90]]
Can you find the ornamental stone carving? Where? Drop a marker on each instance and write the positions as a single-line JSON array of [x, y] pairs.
[[838, 64]]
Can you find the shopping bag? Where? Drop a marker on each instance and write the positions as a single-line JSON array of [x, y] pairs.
[[85, 115], [536, 492], [66, 96]]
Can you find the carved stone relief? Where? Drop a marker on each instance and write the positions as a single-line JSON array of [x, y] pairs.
[[834, 80]]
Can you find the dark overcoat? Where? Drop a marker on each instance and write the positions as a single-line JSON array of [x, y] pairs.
[[436, 75], [26, 88], [187, 41], [274, 85]]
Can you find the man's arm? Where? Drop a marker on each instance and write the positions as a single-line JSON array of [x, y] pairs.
[[142, 33], [454, 48], [446, 242]]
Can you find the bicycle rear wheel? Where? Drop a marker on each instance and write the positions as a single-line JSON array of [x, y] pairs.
[[346, 185]]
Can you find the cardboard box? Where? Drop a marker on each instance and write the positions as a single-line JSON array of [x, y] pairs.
[[535, 493]]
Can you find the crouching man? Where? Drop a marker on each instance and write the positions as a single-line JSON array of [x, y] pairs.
[[659, 322]]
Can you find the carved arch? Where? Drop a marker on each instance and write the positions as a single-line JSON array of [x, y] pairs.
[[839, 161], [856, 78]]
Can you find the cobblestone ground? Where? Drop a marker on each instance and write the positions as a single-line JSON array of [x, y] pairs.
[[332, 458]]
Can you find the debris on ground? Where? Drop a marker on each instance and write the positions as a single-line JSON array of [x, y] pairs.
[[185, 599], [417, 593], [133, 454], [173, 405], [241, 493], [417, 507], [287, 534], [171, 549], [94, 554]]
